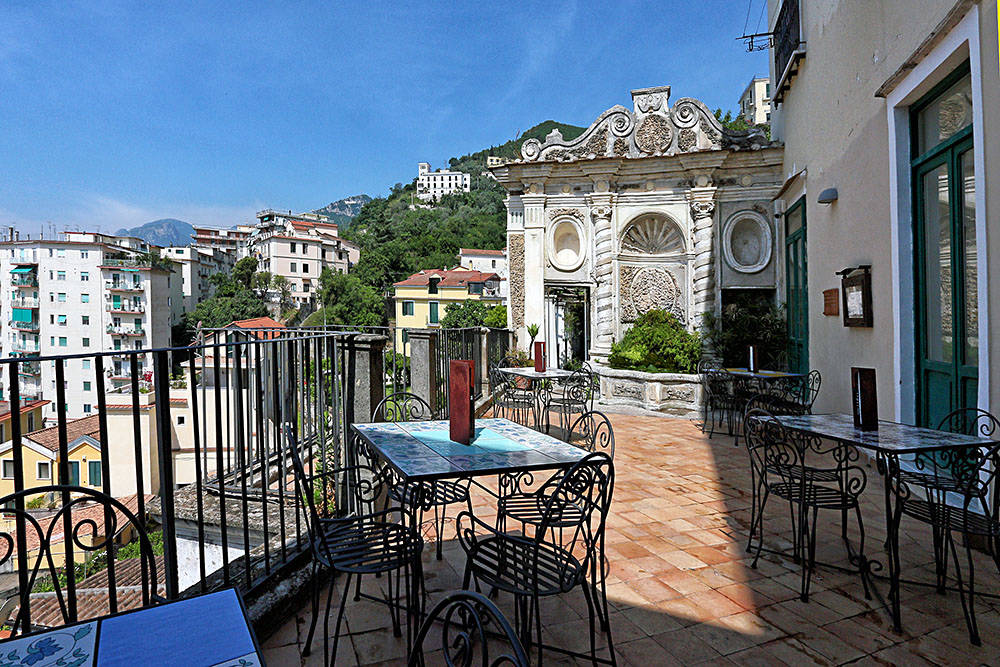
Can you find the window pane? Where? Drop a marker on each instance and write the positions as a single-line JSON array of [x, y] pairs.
[[970, 274], [945, 116], [937, 265], [94, 473]]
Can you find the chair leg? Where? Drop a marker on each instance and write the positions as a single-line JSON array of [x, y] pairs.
[[760, 544], [973, 626], [863, 562], [315, 608], [967, 609], [439, 516], [809, 561], [332, 658]]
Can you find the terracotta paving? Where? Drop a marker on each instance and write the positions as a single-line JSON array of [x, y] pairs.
[[681, 587]]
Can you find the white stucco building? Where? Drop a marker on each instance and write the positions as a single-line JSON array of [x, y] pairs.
[[755, 102], [435, 184], [299, 247], [487, 261], [196, 265], [87, 293], [654, 207]]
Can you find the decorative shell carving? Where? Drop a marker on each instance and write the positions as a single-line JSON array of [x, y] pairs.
[[652, 235]]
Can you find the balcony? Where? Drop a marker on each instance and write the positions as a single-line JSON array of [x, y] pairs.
[[122, 286], [125, 331], [125, 308], [24, 302], [789, 47], [32, 326], [25, 347], [120, 263], [29, 368], [24, 280]]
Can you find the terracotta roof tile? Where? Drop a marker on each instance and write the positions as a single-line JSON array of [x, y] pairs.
[[452, 278], [49, 437], [479, 251]]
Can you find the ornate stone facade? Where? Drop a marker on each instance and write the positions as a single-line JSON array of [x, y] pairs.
[[626, 217]]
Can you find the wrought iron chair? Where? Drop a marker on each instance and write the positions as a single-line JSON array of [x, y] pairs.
[[778, 467], [575, 397], [558, 558], [403, 406], [797, 395], [724, 400], [511, 401], [360, 540], [467, 618], [957, 495], [704, 366], [78, 520]]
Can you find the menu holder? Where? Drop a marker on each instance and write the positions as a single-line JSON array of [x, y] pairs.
[[752, 361], [540, 356], [461, 416], [865, 399]]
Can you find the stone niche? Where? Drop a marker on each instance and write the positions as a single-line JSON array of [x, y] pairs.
[[674, 394]]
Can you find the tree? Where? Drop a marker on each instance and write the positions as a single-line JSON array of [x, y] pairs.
[[244, 270], [346, 300], [468, 313], [496, 318]]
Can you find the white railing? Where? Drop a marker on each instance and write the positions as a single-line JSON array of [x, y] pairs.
[[125, 331], [24, 346], [24, 302], [125, 307]]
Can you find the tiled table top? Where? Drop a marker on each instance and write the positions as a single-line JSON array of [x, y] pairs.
[[891, 437], [423, 451], [764, 374], [531, 373]]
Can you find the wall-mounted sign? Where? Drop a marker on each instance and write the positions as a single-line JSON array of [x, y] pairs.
[[831, 302], [856, 287]]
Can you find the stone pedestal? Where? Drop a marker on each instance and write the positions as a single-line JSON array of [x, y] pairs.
[[364, 375], [424, 365], [674, 394]]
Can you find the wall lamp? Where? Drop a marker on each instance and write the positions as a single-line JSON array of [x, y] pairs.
[[828, 196]]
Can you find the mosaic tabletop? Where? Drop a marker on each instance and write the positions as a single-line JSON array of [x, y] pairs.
[[422, 450], [175, 633], [891, 437], [761, 373]]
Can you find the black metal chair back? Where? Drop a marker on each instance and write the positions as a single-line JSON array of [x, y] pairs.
[[75, 527], [470, 625], [971, 421], [402, 406], [365, 490], [772, 454], [592, 431], [579, 388]]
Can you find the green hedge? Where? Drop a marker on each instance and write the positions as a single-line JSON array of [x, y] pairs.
[[657, 343]]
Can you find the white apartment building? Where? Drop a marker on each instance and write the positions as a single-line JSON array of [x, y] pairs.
[[298, 247], [755, 102], [87, 293], [233, 240], [487, 261], [435, 184], [197, 265]]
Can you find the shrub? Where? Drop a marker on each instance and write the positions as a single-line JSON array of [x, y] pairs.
[[518, 358], [468, 313], [496, 318], [657, 343]]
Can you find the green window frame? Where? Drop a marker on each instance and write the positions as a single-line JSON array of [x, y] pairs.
[[94, 473], [433, 317], [407, 308]]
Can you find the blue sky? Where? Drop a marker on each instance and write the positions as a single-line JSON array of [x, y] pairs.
[[116, 114]]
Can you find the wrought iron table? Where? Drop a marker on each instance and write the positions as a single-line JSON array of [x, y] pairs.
[[210, 629], [888, 445], [762, 374]]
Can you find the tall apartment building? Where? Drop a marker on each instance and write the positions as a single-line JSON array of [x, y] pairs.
[[299, 247], [197, 265], [84, 293], [755, 102], [435, 184], [233, 240]]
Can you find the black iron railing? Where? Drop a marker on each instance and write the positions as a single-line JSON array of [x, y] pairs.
[[787, 36], [195, 435]]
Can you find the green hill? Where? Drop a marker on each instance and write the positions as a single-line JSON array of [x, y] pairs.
[[399, 236]]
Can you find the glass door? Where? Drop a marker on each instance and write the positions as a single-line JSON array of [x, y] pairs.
[[796, 281], [947, 317]]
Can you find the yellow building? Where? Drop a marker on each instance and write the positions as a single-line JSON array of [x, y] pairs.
[[423, 299], [31, 417], [41, 456]]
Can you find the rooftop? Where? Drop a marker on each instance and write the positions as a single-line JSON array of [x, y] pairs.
[[479, 251], [447, 278]]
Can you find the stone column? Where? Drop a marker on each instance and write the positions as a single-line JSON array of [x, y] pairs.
[[534, 265], [604, 247], [702, 201], [365, 375], [424, 365]]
